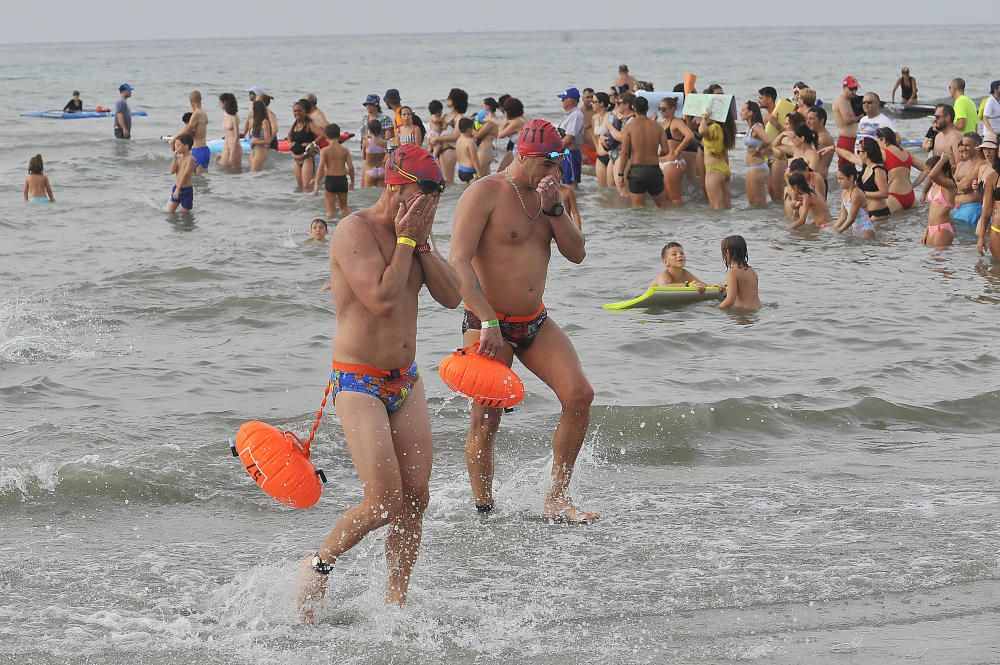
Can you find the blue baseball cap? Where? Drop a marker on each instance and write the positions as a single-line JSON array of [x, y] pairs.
[[571, 93], [125, 86], [372, 99]]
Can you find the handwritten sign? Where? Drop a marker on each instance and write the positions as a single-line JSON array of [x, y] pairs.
[[656, 97], [717, 106]]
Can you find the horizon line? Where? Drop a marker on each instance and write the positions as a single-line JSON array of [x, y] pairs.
[[894, 26]]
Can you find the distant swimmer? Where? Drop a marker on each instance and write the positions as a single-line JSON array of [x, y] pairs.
[[74, 105], [907, 86], [675, 272], [643, 141], [37, 188], [380, 259], [741, 279], [625, 82], [335, 160], [318, 230], [846, 116], [123, 114], [197, 126], [182, 193], [501, 239]]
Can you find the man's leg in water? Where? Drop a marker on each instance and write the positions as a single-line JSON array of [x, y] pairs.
[[553, 359], [479, 442], [411, 436], [366, 428]]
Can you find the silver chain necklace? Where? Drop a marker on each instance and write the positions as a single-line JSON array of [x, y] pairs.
[[516, 191]]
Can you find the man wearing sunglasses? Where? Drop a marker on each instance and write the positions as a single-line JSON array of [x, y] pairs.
[[380, 259], [946, 136], [846, 116], [501, 241], [873, 119]]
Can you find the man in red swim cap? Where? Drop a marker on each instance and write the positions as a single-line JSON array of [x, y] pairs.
[[380, 258], [500, 247]]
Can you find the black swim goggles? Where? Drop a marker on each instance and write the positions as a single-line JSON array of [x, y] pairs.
[[426, 185]]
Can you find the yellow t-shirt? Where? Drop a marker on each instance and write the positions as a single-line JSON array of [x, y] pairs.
[[966, 108]]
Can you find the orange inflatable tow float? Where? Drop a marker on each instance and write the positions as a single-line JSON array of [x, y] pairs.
[[279, 462], [486, 381]]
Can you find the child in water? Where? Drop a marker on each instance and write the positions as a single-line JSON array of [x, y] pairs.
[[811, 206], [335, 161], [318, 230], [36, 186], [467, 151], [182, 193], [675, 273], [435, 124], [741, 279]]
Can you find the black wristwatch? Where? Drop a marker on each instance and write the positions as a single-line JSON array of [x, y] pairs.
[[556, 211], [320, 566]]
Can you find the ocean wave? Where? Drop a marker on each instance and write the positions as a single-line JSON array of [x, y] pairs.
[[34, 329]]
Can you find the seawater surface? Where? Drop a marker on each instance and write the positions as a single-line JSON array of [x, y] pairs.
[[815, 482]]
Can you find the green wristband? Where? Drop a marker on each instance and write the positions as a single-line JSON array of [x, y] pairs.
[[492, 323]]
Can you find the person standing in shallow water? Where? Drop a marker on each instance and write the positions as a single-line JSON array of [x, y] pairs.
[[380, 259], [510, 219]]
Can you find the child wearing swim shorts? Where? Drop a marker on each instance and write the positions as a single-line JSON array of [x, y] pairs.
[[36, 186], [335, 161], [182, 193], [741, 279], [467, 151], [675, 273]]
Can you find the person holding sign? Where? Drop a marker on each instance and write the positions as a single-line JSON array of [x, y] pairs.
[[717, 138]]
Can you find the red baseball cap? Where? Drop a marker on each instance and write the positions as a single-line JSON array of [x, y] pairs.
[[850, 82], [410, 162], [537, 138]]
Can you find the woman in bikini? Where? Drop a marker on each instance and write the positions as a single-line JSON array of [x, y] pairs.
[[988, 230], [373, 150], [873, 179], [601, 116], [717, 139], [231, 156], [898, 163], [458, 104], [756, 142], [941, 197], [408, 132], [683, 148], [260, 136], [486, 136]]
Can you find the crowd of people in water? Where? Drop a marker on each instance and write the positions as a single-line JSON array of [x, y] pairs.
[[518, 204], [638, 150]]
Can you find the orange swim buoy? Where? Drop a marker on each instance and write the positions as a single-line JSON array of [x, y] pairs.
[[486, 381], [279, 463]]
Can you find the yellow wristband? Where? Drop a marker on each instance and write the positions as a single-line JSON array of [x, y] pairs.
[[403, 240]]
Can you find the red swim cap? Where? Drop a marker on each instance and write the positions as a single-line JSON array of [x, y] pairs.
[[537, 138], [408, 162]]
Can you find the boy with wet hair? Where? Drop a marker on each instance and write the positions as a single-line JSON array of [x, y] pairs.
[[335, 161], [467, 151], [182, 193], [674, 272]]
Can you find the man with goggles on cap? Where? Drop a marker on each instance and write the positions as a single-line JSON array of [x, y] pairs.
[[501, 240], [380, 259]]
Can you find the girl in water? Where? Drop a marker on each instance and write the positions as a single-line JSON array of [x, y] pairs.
[[717, 140], [741, 279], [36, 186], [408, 132], [486, 136], [988, 230], [458, 104], [811, 204], [601, 107], [873, 179], [231, 156], [513, 111], [853, 205], [435, 124], [756, 142], [683, 150], [941, 198], [373, 149], [898, 164], [260, 136]]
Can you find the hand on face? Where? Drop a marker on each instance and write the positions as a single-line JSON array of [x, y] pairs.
[[415, 217], [549, 191]]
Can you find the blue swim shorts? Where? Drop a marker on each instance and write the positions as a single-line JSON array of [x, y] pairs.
[[201, 156], [185, 198]]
